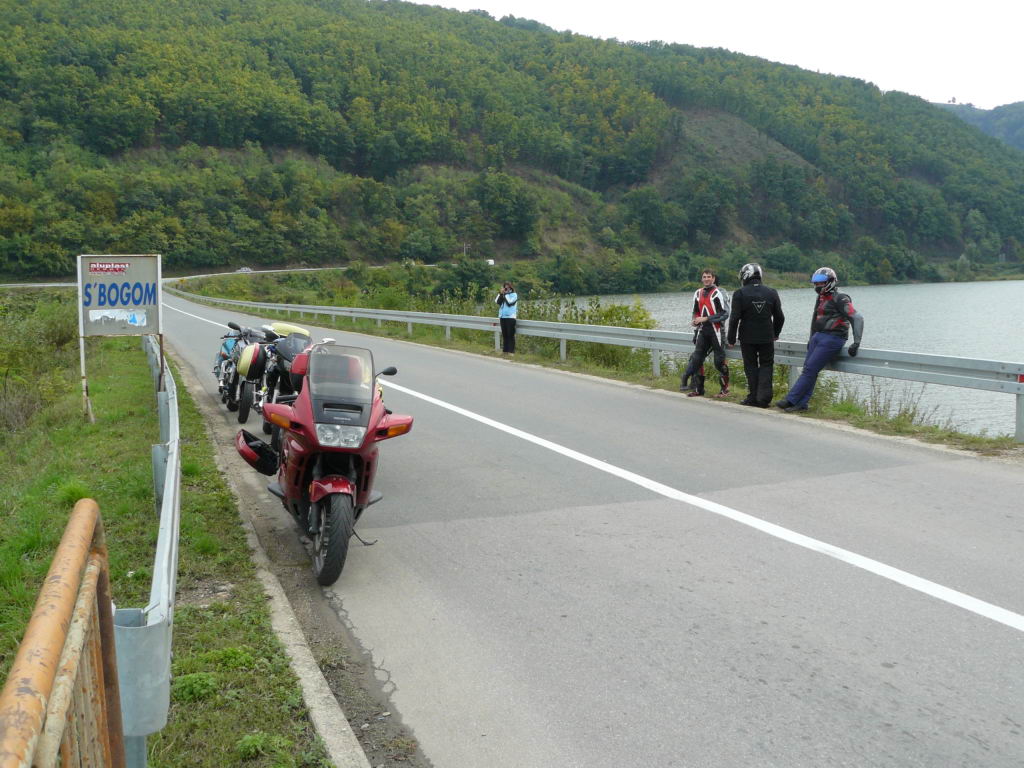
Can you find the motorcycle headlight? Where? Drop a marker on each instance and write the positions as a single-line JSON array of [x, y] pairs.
[[340, 435]]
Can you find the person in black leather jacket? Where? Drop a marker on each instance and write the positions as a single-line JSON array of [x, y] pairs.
[[757, 313]]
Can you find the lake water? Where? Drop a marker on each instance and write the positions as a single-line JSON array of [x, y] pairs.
[[974, 320]]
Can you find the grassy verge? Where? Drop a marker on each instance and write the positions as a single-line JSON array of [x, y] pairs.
[[235, 701], [873, 412]]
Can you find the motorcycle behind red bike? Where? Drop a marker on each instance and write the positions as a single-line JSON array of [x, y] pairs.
[[324, 447]]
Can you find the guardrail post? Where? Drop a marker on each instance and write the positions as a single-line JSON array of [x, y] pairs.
[[165, 413], [379, 323], [497, 341], [135, 751], [447, 333], [656, 363], [408, 327], [159, 454], [794, 374], [1019, 435], [562, 354]]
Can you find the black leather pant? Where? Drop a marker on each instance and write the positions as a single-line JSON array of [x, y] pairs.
[[704, 344], [759, 365]]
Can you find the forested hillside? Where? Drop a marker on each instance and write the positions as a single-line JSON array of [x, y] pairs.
[[1005, 123], [223, 132]]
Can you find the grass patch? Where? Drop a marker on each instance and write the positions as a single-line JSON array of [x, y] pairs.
[[892, 410], [235, 701]]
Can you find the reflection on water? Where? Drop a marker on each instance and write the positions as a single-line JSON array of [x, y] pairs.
[[970, 320]]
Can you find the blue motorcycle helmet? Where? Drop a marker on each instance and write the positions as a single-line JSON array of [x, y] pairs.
[[824, 280]]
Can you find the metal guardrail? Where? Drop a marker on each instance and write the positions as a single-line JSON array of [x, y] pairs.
[[60, 705], [989, 375], [68, 698], [143, 635]]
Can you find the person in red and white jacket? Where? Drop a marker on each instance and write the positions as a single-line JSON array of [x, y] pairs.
[[710, 311]]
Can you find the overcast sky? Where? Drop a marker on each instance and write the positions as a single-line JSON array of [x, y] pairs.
[[936, 49]]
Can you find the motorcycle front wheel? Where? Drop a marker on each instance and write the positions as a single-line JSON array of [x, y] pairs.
[[269, 399], [245, 401], [330, 545]]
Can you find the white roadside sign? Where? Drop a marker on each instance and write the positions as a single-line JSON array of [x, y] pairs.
[[119, 295]]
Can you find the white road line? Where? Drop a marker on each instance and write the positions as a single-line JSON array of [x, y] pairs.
[[197, 317], [918, 584], [947, 595]]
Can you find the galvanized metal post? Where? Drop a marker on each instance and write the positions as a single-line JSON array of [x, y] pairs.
[[379, 323], [794, 374], [497, 341], [1019, 435], [165, 415], [656, 363], [135, 751], [408, 328], [159, 453], [562, 354]]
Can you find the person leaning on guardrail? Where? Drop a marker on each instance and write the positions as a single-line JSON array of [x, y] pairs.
[[830, 327], [507, 299], [757, 313], [710, 311]]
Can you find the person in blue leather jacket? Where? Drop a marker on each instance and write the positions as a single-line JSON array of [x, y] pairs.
[[507, 301]]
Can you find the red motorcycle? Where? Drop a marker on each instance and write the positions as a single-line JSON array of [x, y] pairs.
[[324, 447]]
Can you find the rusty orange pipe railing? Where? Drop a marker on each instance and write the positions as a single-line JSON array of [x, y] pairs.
[[65, 668]]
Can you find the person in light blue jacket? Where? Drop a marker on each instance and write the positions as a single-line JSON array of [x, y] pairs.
[[507, 301]]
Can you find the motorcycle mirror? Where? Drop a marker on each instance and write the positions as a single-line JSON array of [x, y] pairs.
[[300, 365], [232, 324], [389, 371]]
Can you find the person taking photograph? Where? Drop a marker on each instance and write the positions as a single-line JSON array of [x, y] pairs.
[[507, 299]]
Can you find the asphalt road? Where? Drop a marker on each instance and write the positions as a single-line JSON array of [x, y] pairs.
[[574, 572]]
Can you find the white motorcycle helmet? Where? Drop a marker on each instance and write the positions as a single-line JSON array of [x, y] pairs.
[[750, 272]]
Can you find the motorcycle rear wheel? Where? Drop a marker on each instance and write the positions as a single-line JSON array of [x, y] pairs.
[[330, 545], [245, 401], [232, 393]]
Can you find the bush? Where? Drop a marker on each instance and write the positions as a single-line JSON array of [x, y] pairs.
[[37, 331], [194, 687]]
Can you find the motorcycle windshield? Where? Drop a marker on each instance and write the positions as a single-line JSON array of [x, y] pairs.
[[291, 345], [342, 374]]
